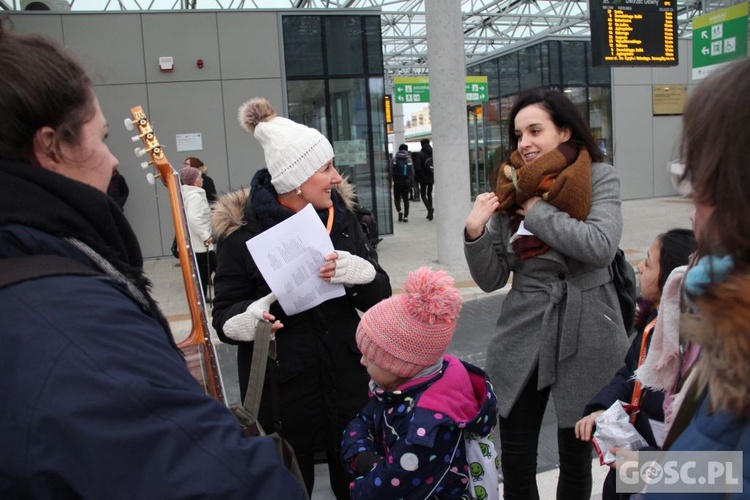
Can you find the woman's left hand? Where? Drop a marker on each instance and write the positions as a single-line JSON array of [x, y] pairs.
[[343, 267], [526, 205], [328, 270]]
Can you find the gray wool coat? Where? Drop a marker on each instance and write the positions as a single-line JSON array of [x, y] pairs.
[[561, 313]]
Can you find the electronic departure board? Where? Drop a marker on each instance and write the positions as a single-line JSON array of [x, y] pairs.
[[634, 32]]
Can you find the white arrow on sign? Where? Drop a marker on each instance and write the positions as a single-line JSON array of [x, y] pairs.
[[704, 34], [705, 51]]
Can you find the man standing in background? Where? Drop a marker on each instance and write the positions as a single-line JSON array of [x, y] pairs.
[[425, 175]]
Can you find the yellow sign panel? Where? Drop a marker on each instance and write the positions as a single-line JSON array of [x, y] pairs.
[[388, 109], [669, 99]]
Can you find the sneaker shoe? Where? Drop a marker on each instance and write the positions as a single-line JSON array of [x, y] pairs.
[[406, 219], [430, 213], [400, 216]]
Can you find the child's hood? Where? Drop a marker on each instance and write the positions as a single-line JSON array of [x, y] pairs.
[[463, 394]]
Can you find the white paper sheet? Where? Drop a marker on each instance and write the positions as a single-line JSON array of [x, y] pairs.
[[289, 256]]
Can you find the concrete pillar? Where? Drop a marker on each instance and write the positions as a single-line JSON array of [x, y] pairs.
[[398, 126], [445, 54]]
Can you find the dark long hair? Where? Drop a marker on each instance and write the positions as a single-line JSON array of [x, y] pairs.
[[716, 151], [563, 113], [40, 85], [676, 247]]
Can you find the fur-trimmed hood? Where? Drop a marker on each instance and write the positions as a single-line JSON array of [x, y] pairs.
[[229, 215], [722, 327]]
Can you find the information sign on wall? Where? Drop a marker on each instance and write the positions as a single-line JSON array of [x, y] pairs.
[[411, 89], [634, 32], [719, 37], [669, 99]]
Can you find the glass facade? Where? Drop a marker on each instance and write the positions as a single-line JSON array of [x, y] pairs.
[[564, 65], [334, 73]]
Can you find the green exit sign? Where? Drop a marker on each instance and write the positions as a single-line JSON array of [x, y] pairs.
[[719, 37], [477, 89], [416, 89]]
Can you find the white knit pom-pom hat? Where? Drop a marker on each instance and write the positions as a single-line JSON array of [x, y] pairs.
[[294, 152]]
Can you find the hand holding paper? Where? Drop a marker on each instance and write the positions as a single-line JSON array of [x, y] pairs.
[[350, 269]]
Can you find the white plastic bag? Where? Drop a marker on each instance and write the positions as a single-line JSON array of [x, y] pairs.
[[614, 430]]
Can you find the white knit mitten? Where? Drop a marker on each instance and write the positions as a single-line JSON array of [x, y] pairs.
[[352, 270], [242, 326]]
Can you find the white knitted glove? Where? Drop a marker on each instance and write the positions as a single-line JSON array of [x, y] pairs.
[[242, 326], [352, 270]]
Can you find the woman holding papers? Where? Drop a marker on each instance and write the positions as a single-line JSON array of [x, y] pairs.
[[321, 384]]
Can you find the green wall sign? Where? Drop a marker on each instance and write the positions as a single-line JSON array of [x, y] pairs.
[[416, 89], [719, 37]]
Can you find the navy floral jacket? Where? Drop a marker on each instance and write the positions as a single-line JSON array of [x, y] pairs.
[[417, 434]]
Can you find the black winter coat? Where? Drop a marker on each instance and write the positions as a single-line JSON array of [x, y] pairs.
[[321, 384]]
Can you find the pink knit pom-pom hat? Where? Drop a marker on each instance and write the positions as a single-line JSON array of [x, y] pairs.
[[409, 332]]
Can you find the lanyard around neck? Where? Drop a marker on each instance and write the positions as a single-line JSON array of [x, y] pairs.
[[635, 400]]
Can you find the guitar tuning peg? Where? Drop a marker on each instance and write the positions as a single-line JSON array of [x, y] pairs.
[[150, 178], [128, 124], [136, 138], [140, 152], [144, 165]]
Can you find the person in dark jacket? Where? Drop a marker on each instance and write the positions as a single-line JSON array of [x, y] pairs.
[[118, 188], [321, 385], [424, 404], [402, 173], [97, 401], [425, 176], [208, 183], [668, 251]]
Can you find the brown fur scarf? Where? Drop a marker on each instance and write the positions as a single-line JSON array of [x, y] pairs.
[[721, 326], [561, 177]]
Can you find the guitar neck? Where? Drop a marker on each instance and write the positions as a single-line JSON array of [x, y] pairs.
[[198, 347]]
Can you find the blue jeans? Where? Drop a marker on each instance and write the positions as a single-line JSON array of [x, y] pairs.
[[519, 439]]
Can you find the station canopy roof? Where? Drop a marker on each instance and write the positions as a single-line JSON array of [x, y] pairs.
[[490, 26]]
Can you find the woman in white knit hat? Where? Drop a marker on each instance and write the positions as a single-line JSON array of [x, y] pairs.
[[321, 385]]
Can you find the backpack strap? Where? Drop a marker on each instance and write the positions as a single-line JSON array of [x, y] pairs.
[[18, 269]]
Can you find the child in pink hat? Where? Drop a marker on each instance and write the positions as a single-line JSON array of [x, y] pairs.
[[410, 439]]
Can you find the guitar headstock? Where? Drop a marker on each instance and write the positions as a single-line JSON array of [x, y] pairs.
[[150, 144]]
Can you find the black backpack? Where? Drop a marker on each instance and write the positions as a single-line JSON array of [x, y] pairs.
[[623, 276], [428, 164], [400, 170]]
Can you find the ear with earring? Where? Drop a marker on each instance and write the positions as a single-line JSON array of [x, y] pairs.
[[299, 191]]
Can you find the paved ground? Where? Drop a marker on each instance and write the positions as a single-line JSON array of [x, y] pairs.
[[414, 244]]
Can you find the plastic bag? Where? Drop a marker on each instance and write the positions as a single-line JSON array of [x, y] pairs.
[[614, 430]]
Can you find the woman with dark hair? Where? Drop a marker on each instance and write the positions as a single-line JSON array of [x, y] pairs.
[[668, 251], [715, 415], [96, 399], [554, 221], [208, 183]]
